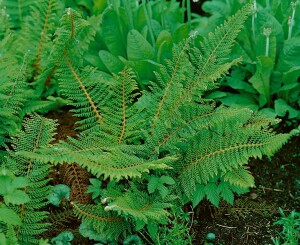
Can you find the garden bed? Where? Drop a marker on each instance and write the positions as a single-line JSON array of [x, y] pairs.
[[250, 220]]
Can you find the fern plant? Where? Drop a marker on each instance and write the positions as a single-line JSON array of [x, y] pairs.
[[38, 132], [192, 147], [171, 130]]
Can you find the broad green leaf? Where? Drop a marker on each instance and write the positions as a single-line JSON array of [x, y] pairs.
[[17, 197], [163, 191], [240, 100], [20, 182], [198, 195], [9, 216], [216, 95], [89, 232], [5, 184], [111, 62], [112, 34], [180, 33], [153, 184], [167, 180], [289, 56], [212, 193], [225, 192], [133, 239], [63, 238], [138, 48], [95, 61], [261, 79], [139, 225], [153, 230], [240, 85], [2, 238], [281, 108], [99, 6], [95, 188], [58, 193], [164, 36], [291, 76]]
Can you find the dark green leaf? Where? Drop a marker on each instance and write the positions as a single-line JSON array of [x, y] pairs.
[[138, 48]]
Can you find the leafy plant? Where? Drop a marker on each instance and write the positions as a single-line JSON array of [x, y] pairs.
[[169, 130], [58, 194], [291, 228], [177, 230], [137, 78], [269, 77], [64, 238]]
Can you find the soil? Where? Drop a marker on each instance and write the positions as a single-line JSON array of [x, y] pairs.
[[250, 220]]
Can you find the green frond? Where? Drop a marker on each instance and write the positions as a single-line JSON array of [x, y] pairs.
[[14, 92], [5, 24], [209, 61], [18, 10], [11, 236], [38, 132], [225, 148], [139, 206], [107, 223], [89, 96], [240, 177], [98, 159], [72, 39], [37, 32]]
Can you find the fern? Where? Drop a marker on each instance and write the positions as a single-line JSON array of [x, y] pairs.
[[37, 132], [139, 205], [23, 56], [78, 178], [104, 222], [14, 92], [169, 130], [17, 11], [222, 150]]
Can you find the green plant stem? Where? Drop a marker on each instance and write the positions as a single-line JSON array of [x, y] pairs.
[[292, 18], [189, 14], [267, 45], [149, 24], [162, 16]]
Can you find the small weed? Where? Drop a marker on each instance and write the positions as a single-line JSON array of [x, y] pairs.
[[291, 229]]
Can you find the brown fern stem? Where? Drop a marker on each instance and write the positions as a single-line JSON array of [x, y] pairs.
[[94, 216], [91, 102], [123, 107], [77, 178]]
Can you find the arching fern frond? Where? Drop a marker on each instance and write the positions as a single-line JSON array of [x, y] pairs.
[[107, 223], [14, 92], [108, 161], [36, 34], [38, 132], [139, 206], [224, 148], [18, 10]]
